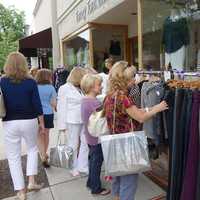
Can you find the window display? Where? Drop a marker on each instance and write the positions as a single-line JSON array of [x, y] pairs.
[[171, 36], [77, 50], [107, 43]]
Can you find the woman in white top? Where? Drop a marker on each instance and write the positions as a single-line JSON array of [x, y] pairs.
[[69, 118]]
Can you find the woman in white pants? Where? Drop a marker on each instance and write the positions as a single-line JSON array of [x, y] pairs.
[[69, 118], [23, 112]]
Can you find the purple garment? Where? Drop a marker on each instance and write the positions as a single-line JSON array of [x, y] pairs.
[[89, 105], [190, 180]]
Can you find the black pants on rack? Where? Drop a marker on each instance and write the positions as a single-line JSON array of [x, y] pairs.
[[178, 124]]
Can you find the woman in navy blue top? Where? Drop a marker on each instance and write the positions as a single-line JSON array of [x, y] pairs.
[[23, 112]]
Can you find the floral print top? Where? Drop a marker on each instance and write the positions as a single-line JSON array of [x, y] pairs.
[[123, 122]]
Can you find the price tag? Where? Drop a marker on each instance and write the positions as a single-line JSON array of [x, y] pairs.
[[167, 75]]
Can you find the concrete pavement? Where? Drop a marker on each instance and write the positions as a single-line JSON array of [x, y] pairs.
[[63, 186]]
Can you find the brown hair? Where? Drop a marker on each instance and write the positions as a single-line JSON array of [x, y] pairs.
[[117, 79], [16, 67], [76, 75], [44, 76]]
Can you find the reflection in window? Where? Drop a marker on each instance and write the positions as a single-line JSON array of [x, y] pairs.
[[171, 36], [77, 50]]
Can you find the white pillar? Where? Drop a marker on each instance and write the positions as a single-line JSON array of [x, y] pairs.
[[55, 35]]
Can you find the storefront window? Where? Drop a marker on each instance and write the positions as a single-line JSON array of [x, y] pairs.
[[77, 50], [107, 43], [171, 35]]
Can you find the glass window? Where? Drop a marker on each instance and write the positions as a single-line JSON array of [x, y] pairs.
[[77, 50], [171, 35], [107, 43]]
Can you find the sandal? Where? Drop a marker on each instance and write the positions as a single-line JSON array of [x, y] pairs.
[[103, 192]]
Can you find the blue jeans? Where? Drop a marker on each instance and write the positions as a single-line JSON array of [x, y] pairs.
[[125, 186], [95, 163]]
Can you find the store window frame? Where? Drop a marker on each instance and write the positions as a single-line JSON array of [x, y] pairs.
[[89, 27]]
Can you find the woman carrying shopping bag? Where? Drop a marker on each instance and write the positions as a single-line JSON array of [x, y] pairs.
[[23, 112], [76, 138], [119, 107]]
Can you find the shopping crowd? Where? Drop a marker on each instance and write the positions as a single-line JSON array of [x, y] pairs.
[[31, 100]]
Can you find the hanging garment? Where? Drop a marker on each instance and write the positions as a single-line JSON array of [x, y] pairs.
[[115, 48], [135, 95], [190, 179], [152, 94], [198, 177], [175, 34], [178, 144], [177, 59], [60, 77]]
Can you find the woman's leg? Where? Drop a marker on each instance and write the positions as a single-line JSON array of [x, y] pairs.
[[82, 164], [96, 160], [41, 145], [46, 141], [115, 187], [30, 132], [73, 141], [128, 186], [12, 137]]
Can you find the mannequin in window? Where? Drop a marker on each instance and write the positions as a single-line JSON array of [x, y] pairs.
[[175, 39]]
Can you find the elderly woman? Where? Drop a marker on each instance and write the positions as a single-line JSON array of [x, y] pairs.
[[119, 107], [23, 112], [69, 118]]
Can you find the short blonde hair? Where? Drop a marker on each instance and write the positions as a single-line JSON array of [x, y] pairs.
[[88, 82], [130, 72], [117, 79], [75, 76], [16, 67], [44, 76]]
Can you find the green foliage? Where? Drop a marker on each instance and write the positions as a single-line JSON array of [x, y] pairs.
[[12, 28]]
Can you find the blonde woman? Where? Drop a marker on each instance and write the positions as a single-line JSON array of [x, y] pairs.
[[127, 116], [91, 86], [23, 112], [33, 71], [69, 103], [48, 99]]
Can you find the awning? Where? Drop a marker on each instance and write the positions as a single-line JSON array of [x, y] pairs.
[[41, 40]]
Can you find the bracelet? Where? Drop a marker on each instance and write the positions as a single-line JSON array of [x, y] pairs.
[[147, 109]]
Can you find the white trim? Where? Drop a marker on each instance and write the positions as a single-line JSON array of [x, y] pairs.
[[37, 6]]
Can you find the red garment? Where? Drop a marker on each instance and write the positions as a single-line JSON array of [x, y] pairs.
[[123, 122]]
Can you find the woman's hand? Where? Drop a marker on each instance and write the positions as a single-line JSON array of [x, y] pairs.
[[161, 107]]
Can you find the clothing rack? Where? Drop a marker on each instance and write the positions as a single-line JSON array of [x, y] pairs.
[[150, 72], [196, 73]]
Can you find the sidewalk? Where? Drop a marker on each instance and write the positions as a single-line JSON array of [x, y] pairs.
[[63, 186]]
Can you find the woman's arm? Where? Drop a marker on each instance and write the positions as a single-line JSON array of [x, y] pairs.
[[141, 116], [54, 103]]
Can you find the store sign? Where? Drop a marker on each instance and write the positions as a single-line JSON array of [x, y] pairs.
[[90, 8]]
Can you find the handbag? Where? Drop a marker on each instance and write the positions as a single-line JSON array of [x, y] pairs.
[[97, 124], [61, 156], [125, 153], [2, 105]]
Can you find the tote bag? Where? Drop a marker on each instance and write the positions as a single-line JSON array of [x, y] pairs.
[[97, 124], [125, 153], [61, 156]]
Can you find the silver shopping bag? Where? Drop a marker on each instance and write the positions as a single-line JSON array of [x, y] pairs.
[[61, 156], [125, 153]]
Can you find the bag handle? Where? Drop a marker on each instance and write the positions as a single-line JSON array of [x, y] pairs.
[[59, 138]]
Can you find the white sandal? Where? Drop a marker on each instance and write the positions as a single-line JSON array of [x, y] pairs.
[[35, 187], [21, 195]]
